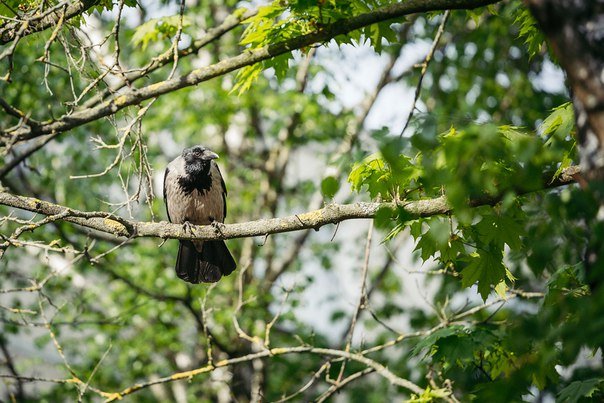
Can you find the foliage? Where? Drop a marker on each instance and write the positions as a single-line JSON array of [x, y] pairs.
[[481, 162], [528, 31], [496, 303], [283, 20], [158, 28], [579, 389]]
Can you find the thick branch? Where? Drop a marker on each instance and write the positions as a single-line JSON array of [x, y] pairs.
[[136, 96], [330, 214], [37, 23]]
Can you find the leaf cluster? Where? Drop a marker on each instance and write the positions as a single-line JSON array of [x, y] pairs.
[[284, 20], [475, 165]]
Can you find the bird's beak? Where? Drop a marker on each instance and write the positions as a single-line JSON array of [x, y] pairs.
[[209, 155]]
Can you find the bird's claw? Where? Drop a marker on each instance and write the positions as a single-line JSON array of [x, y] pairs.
[[217, 225]]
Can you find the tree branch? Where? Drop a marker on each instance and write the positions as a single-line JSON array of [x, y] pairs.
[[10, 364], [361, 357], [374, 365], [10, 165], [330, 214], [213, 34], [340, 385], [135, 96], [40, 22]]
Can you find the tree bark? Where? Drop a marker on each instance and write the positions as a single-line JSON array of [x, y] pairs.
[[575, 30]]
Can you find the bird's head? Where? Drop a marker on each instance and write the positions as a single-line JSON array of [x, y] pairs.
[[198, 159]]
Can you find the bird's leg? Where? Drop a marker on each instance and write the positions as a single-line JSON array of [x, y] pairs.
[[187, 226], [217, 225]]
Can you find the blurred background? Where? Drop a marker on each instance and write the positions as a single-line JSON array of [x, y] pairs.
[[111, 312]]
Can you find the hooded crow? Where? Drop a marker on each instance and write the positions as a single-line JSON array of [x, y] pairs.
[[195, 193]]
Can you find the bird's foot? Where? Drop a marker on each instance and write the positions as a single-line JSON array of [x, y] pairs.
[[187, 226], [218, 226]]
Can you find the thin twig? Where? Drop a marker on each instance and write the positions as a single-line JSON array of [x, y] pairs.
[[362, 298], [336, 387], [424, 65], [379, 368]]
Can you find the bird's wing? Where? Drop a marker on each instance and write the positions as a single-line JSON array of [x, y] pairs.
[[224, 192], [165, 196]]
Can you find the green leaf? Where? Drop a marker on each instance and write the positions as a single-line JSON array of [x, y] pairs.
[[438, 239], [566, 281], [501, 289], [246, 77], [158, 28], [475, 15], [387, 174], [330, 186], [566, 162], [429, 395], [375, 33], [528, 30], [281, 65], [578, 389], [514, 133], [415, 228], [452, 249], [559, 124], [428, 342], [145, 33], [372, 172], [499, 229], [455, 349], [485, 268], [398, 228], [427, 246], [435, 239], [385, 217]]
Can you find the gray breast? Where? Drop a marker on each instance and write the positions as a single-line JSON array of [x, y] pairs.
[[199, 208]]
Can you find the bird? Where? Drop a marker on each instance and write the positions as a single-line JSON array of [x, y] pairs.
[[195, 193]]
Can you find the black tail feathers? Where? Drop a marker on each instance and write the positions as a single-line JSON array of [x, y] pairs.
[[209, 266]]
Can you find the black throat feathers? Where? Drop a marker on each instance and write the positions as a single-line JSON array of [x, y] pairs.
[[197, 176]]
